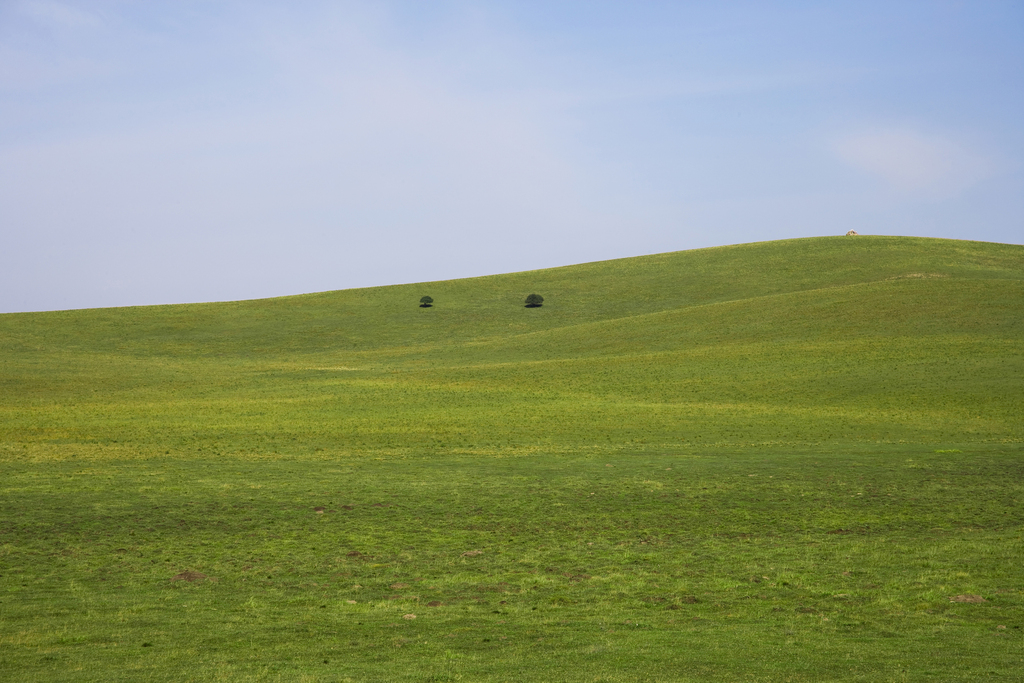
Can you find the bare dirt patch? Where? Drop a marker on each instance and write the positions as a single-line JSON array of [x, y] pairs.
[[683, 600], [968, 597], [189, 576], [916, 276]]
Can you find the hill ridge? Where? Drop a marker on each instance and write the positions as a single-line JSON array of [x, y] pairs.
[[773, 324]]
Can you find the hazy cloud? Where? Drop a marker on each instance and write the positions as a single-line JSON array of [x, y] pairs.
[[913, 162], [57, 13]]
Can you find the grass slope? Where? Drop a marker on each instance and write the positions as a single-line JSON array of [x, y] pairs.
[[773, 461]]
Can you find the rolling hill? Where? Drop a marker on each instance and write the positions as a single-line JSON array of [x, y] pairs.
[[785, 461], [803, 342]]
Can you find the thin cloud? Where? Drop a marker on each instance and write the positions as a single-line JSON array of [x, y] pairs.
[[910, 161], [58, 13]]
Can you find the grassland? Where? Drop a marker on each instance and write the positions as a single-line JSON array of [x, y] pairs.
[[775, 461]]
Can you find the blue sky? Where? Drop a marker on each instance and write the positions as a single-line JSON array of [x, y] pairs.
[[164, 152]]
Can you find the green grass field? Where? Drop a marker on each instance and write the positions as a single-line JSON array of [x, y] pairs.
[[785, 461]]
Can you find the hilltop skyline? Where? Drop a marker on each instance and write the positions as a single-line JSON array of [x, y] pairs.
[[187, 151]]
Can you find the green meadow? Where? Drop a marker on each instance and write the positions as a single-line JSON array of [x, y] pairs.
[[799, 460]]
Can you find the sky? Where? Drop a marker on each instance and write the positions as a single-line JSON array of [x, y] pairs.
[[180, 151]]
